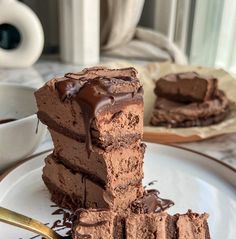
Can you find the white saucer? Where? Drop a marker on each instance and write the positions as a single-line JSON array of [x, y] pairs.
[[190, 179]]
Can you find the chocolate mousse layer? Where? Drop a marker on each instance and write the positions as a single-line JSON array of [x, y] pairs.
[[97, 106], [186, 87], [104, 224], [113, 168], [174, 114], [72, 190], [162, 225], [95, 224]]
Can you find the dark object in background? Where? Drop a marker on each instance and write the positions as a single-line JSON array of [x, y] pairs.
[[9, 37], [48, 14]]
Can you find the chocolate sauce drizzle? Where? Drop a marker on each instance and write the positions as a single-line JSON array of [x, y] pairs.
[[37, 127], [4, 121], [70, 218], [66, 221], [150, 183], [95, 94], [59, 225], [151, 202]]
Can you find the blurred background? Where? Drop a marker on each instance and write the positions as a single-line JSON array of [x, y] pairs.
[[203, 30]]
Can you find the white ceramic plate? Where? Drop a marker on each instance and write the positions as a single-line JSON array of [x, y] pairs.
[[190, 179]]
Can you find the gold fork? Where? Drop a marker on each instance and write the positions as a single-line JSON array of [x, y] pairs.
[[19, 220]]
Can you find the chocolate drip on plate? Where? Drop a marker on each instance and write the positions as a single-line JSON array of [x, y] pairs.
[[151, 202], [37, 127]]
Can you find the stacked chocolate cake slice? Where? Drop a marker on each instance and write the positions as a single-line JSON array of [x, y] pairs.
[[188, 99], [95, 118]]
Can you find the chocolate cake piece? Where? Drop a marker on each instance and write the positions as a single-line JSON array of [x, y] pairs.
[[150, 202], [72, 190], [97, 106], [164, 226], [103, 224], [94, 224], [186, 87], [110, 168], [174, 114]]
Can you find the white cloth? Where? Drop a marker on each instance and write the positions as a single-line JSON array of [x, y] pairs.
[[121, 37]]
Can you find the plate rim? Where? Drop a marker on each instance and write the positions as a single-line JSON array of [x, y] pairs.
[[9, 170], [171, 138], [204, 155], [6, 173]]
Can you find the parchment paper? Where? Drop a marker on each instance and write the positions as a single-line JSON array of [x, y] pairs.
[[148, 74]]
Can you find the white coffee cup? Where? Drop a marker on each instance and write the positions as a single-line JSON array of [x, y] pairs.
[[19, 138]]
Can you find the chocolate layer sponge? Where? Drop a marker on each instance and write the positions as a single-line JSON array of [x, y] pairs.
[[71, 189], [186, 87]]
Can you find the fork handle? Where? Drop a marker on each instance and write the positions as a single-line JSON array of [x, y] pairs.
[[19, 220]]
